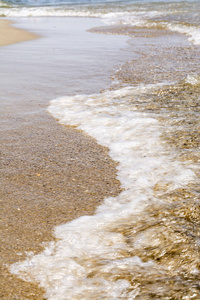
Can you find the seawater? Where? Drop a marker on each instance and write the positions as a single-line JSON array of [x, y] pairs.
[[144, 243], [179, 16], [129, 249]]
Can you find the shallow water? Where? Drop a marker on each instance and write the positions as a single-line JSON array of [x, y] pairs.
[[178, 16], [144, 243]]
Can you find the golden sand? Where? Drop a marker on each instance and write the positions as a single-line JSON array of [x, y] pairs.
[[50, 174], [10, 35]]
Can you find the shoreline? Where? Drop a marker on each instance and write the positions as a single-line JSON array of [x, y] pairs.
[[51, 174], [47, 181], [11, 35], [58, 173]]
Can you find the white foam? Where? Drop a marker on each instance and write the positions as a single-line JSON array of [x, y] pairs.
[[193, 79], [88, 254], [143, 20], [46, 12], [133, 18], [192, 31], [110, 15]]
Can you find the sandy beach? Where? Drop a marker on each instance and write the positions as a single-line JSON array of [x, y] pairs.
[[143, 243], [11, 35], [50, 174]]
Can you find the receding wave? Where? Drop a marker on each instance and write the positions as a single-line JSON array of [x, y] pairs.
[[111, 15], [46, 12], [192, 31], [129, 248]]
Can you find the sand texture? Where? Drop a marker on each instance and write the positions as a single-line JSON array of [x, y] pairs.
[[50, 174], [11, 35]]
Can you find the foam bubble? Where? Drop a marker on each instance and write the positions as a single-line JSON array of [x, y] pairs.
[[192, 31], [133, 18], [88, 255], [144, 20], [193, 79], [46, 12], [132, 15]]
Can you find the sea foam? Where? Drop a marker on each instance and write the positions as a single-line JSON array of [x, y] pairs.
[[132, 15], [88, 258]]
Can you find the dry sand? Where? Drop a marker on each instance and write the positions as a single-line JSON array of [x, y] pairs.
[[11, 35], [50, 174]]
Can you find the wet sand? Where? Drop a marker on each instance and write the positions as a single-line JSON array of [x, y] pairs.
[[50, 174], [11, 35]]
